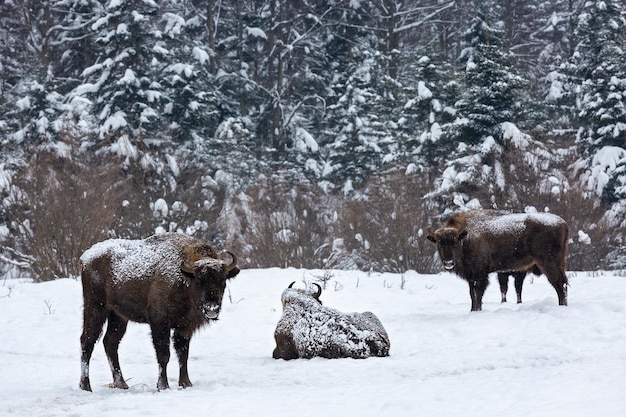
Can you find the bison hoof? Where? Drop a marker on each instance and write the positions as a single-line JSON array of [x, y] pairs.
[[185, 384], [120, 385], [85, 385], [162, 385]]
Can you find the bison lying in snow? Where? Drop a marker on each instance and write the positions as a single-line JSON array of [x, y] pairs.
[[308, 329], [170, 281], [477, 242]]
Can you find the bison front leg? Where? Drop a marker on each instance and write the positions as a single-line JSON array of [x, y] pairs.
[[503, 280], [181, 344], [161, 341], [477, 290]]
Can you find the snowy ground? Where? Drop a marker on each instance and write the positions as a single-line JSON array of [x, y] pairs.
[[534, 359]]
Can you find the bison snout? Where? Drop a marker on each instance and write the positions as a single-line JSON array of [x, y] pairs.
[[448, 265], [210, 310]]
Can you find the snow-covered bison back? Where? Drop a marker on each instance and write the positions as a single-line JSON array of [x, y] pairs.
[[170, 281], [308, 329], [476, 242]]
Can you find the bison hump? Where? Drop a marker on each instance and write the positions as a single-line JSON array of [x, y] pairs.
[[510, 224], [138, 259]]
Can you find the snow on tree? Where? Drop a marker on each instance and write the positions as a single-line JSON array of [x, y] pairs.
[[39, 56], [202, 99], [486, 130], [492, 86], [599, 70], [360, 139], [124, 84], [428, 107]]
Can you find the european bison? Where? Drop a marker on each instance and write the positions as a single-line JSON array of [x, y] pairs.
[[477, 242], [307, 329], [170, 281]]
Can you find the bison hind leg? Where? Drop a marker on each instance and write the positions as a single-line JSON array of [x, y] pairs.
[[557, 277], [519, 277], [116, 328], [94, 317]]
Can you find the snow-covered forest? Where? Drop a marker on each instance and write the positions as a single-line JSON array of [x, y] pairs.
[[314, 134]]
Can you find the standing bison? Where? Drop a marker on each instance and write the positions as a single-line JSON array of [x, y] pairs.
[[475, 243], [307, 329], [170, 281]]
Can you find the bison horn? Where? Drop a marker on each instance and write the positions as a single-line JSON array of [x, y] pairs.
[[186, 268], [319, 291], [291, 285], [233, 263]]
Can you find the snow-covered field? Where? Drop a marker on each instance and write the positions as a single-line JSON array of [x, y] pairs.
[[534, 359]]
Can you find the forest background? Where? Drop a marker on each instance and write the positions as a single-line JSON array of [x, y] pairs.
[[307, 133]]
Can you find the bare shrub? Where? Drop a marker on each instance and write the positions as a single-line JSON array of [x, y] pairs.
[[384, 230], [285, 223], [58, 207], [192, 204], [591, 238], [590, 235]]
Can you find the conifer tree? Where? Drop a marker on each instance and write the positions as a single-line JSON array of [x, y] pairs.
[[599, 71], [492, 85], [124, 84], [430, 94], [488, 113], [357, 128], [600, 67]]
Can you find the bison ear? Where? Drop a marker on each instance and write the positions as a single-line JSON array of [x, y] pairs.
[[462, 235], [432, 238], [233, 273]]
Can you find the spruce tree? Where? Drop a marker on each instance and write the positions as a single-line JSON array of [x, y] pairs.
[[359, 136], [492, 85], [599, 71], [600, 68], [124, 85], [430, 95], [489, 112]]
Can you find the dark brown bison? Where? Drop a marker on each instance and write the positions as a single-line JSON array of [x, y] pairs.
[[307, 329], [475, 243], [170, 281]]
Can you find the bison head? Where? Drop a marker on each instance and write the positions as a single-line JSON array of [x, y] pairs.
[[208, 276], [315, 295], [448, 240]]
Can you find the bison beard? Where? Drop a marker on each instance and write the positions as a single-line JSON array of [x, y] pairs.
[[170, 281], [478, 242]]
